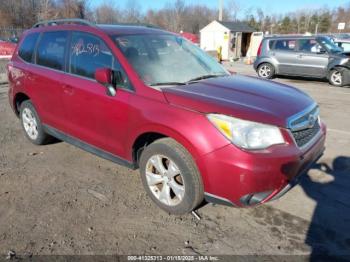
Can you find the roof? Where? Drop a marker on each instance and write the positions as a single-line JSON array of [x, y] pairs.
[[294, 36], [121, 28], [237, 26]]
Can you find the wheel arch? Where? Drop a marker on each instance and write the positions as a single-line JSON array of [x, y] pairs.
[[268, 61], [149, 134], [18, 99], [346, 77]]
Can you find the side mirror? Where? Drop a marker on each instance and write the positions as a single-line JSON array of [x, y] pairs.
[[104, 77]]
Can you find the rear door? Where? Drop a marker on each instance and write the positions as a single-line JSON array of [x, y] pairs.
[[313, 63], [44, 78], [284, 52], [93, 117]]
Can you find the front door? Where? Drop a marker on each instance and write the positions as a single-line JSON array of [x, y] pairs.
[[94, 117], [313, 63]]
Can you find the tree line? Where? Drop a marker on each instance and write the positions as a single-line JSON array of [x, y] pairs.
[[174, 16]]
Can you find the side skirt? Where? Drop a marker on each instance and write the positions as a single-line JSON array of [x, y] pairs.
[[87, 147]]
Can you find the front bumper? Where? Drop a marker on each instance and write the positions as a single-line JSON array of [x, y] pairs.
[[242, 178]]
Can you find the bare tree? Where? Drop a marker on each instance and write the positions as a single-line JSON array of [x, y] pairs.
[[133, 12], [107, 13]]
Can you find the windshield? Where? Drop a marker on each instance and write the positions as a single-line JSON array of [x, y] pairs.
[[167, 59], [330, 45]]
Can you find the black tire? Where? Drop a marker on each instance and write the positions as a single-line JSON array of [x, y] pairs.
[[266, 71], [336, 77], [41, 138], [192, 182]]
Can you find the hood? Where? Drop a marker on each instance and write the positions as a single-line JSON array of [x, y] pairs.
[[243, 97]]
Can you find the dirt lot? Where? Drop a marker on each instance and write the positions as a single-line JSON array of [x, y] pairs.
[[57, 199]]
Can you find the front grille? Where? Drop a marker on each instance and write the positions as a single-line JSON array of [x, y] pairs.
[[302, 137]]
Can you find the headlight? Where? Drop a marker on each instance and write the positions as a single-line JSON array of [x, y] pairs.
[[247, 134]]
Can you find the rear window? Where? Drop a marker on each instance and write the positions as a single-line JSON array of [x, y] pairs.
[[27, 47], [51, 50], [285, 44]]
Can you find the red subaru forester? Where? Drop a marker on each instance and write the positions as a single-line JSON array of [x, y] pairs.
[[149, 99]]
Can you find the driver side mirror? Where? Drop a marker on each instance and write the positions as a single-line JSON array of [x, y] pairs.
[[104, 76]]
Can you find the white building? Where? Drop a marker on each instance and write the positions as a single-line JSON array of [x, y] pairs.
[[233, 37]]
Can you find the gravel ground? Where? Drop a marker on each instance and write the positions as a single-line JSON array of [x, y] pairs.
[[57, 199]]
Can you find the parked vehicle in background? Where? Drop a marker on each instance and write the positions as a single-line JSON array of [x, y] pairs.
[[149, 99], [305, 56], [344, 44], [7, 48], [191, 37]]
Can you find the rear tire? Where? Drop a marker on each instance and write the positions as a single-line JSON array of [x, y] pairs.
[[266, 70], [31, 124], [336, 77], [170, 177]]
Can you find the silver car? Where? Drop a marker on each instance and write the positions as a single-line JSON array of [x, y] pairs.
[[305, 56]]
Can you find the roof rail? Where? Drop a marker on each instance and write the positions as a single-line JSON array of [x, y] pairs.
[[132, 24], [63, 21]]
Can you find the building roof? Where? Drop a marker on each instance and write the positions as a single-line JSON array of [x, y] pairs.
[[237, 26]]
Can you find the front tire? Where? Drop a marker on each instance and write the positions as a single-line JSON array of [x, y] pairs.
[[31, 124], [336, 77], [266, 70], [170, 177]]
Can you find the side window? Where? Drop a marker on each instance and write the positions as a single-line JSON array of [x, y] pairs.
[[26, 49], [271, 44], [285, 44], [51, 50], [88, 53], [308, 45]]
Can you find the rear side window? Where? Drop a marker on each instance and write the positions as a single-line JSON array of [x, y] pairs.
[[51, 50], [87, 53], [285, 44], [27, 47]]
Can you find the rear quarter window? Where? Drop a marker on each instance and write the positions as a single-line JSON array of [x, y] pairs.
[[26, 50], [51, 50], [271, 44]]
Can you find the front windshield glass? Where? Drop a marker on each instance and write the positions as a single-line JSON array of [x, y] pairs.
[[167, 59], [330, 45]]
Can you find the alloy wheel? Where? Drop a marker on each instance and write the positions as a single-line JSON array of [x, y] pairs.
[[165, 180], [30, 124], [336, 78], [265, 71]]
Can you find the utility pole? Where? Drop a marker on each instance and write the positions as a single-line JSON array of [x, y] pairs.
[[220, 9]]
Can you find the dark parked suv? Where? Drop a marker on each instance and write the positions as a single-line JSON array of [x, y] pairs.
[[305, 56], [149, 99]]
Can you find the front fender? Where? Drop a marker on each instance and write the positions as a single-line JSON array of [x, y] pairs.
[[190, 128]]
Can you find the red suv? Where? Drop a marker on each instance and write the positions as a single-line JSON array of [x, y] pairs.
[[149, 99]]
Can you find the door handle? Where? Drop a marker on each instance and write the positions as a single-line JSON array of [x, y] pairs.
[[300, 56], [67, 89]]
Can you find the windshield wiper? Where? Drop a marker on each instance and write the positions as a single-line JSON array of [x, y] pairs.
[[168, 84], [204, 77]]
